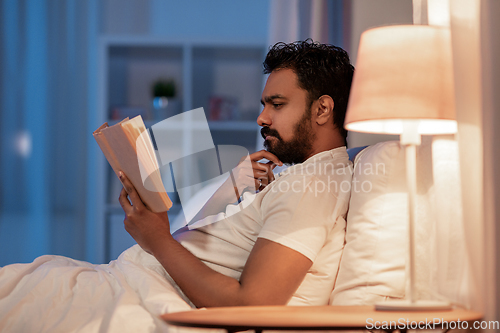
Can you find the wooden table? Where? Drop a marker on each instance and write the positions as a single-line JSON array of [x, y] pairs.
[[260, 318]]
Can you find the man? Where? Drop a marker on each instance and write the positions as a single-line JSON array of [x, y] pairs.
[[285, 245]]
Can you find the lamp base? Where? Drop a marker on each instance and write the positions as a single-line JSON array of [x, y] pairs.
[[406, 305]]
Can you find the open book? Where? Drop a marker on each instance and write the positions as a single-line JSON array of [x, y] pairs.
[[128, 148]]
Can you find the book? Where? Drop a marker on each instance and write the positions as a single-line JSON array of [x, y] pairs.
[[128, 148]]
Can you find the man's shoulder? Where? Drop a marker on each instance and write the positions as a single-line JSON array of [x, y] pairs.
[[326, 163]]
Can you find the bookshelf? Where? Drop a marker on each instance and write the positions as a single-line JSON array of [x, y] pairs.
[[207, 73]]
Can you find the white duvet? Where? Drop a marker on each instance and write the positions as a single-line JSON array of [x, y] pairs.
[[59, 294]]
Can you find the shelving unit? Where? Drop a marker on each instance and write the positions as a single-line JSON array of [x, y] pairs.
[[206, 72]]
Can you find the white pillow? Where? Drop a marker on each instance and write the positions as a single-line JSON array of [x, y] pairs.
[[373, 262]]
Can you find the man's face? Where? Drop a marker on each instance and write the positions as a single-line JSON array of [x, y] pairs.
[[286, 118]]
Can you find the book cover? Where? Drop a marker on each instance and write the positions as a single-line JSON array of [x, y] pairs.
[[128, 148]]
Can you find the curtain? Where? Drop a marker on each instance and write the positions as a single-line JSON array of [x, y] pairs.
[[464, 23], [320, 20], [449, 270], [293, 20], [45, 100], [475, 51]]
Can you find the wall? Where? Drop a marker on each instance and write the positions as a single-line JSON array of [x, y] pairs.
[[490, 12], [366, 14], [186, 19]]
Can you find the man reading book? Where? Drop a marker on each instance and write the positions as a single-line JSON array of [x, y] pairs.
[[284, 247]]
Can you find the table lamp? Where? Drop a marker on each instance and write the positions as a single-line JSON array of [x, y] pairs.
[[403, 84]]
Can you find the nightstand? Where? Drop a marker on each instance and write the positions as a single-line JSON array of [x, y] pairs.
[[259, 318]]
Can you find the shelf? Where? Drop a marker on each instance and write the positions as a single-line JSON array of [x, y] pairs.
[[213, 125], [224, 77], [233, 125]]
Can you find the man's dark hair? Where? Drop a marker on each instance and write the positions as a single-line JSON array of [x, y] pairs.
[[321, 69]]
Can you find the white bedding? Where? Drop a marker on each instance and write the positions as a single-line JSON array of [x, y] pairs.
[[59, 294]]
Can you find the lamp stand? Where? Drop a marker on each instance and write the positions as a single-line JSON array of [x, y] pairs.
[[410, 139]]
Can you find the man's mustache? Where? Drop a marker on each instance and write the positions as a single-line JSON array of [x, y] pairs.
[[266, 131]]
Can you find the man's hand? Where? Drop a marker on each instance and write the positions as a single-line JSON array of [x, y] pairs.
[[250, 173], [148, 229]]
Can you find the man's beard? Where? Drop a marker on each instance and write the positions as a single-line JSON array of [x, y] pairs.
[[298, 148]]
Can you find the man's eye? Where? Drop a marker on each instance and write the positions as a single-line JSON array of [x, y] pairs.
[[277, 105]]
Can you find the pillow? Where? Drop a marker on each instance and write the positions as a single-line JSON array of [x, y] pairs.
[[373, 262]]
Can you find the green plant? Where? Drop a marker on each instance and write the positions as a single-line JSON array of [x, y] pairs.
[[164, 88]]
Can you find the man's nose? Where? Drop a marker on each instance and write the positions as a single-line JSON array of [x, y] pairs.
[[264, 118]]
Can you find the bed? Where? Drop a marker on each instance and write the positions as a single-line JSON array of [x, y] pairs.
[[59, 294]]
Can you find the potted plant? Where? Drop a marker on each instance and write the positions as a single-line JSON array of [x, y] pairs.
[[165, 103]]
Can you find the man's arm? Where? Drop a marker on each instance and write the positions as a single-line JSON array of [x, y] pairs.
[[271, 274]]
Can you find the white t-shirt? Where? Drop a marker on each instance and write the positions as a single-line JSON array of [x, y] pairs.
[[303, 209]]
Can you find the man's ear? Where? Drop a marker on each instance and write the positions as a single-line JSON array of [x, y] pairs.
[[324, 109]]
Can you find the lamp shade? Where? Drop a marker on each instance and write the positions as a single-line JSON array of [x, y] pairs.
[[403, 74]]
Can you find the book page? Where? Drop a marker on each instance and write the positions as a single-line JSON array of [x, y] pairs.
[[119, 145], [148, 164]]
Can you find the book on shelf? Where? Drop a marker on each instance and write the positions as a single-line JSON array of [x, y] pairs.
[[121, 111], [128, 148], [222, 108]]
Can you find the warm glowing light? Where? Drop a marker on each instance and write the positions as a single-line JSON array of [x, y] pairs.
[[438, 12], [403, 74], [395, 126]]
